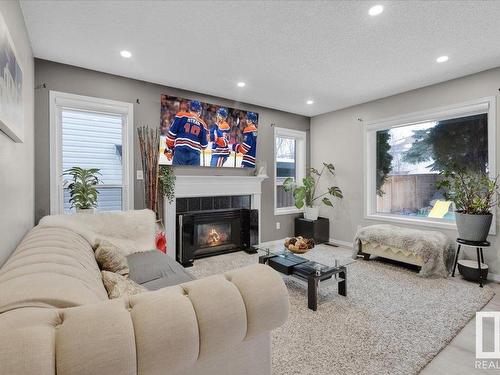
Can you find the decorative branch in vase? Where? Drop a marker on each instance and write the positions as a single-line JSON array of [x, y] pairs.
[[305, 195], [149, 145]]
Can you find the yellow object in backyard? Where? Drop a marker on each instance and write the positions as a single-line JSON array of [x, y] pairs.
[[440, 209]]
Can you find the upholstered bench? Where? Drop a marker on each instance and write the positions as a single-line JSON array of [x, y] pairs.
[[432, 251]]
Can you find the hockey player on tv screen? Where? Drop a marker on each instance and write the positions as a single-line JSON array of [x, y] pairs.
[[249, 146], [187, 136], [219, 134]]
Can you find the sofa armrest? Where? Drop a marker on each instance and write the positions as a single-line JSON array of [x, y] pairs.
[[170, 329]]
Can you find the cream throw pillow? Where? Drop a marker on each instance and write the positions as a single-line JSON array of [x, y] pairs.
[[110, 258], [118, 286]]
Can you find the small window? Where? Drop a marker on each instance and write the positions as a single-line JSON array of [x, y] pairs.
[[290, 161], [94, 140], [91, 133]]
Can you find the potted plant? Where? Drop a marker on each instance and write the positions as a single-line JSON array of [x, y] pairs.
[[167, 182], [475, 195], [82, 188], [305, 195]]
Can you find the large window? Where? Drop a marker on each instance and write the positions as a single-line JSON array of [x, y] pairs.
[[406, 155], [289, 161], [91, 133]]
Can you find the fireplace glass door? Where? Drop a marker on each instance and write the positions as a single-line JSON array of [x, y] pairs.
[[213, 234]]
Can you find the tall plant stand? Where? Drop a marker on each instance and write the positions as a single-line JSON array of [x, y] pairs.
[[479, 245]]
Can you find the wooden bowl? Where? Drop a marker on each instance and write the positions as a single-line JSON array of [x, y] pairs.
[[290, 245], [297, 251]]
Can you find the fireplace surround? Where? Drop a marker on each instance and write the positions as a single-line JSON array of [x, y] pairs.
[[198, 191], [213, 232]]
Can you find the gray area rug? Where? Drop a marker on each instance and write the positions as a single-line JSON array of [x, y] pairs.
[[391, 322]]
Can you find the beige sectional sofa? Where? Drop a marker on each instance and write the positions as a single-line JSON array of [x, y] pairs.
[[56, 318]]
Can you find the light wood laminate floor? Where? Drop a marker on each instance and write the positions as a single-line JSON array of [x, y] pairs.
[[459, 356]]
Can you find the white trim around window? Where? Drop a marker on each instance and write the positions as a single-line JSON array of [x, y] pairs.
[[300, 138], [473, 107], [59, 101]]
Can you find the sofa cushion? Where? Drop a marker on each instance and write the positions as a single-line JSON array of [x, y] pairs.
[[110, 258], [51, 267], [119, 286], [155, 270]]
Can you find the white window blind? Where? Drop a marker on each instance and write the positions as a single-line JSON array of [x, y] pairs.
[[94, 140]]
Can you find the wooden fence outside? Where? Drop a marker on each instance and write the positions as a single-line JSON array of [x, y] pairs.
[[407, 193]]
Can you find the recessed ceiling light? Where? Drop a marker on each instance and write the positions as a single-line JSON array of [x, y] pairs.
[[310, 102], [126, 54], [375, 10], [241, 84], [442, 59]]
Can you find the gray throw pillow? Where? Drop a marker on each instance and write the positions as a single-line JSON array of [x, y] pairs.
[[110, 258], [156, 270], [118, 286]]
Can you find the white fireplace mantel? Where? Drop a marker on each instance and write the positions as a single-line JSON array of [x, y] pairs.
[[205, 186]]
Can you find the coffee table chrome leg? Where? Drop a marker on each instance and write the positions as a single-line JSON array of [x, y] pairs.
[[343, 284], [312, 293]]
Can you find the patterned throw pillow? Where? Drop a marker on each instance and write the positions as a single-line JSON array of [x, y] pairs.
[[118, 286], [110, 258]]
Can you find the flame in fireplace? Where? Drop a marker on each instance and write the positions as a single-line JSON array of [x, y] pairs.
[[213, 237]]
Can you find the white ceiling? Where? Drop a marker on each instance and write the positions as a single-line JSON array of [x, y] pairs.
[[287, 52]]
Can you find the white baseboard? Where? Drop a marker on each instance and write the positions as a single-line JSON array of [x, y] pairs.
[[493, 277], [271, 243], [341, 243]]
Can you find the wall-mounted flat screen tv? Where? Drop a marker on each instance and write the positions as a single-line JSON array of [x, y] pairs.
[[195, 133]]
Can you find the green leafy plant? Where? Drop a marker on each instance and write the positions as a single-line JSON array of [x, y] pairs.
[[473, 193], [82, 188], [167, 182], [306, 193], [384, 159]]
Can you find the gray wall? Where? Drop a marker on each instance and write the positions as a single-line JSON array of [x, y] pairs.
[[338, 137], [76, 80], [16, 159]]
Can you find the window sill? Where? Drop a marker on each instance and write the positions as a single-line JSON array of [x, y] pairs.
[[420, 222], [287, 211]]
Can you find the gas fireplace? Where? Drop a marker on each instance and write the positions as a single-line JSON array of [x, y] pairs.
[[213, 232]]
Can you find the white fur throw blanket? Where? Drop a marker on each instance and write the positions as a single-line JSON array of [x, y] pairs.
[[131, 231], [435, 248]]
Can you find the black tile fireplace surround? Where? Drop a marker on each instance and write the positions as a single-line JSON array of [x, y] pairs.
[[213, 231]]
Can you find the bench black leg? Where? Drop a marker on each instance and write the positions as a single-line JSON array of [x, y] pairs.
[[482, 256], [479, 267], [456, 260]]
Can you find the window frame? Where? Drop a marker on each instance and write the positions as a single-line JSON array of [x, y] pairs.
[[61, 100], [473, 107], [300, 164]]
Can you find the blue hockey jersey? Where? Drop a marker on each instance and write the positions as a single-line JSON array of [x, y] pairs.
[[219, 136], [249, 147], [187, 132]]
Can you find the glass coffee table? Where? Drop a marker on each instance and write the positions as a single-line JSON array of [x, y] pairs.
[[313, 273]]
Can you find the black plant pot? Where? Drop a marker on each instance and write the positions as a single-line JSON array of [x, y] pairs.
[[468, 269]]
